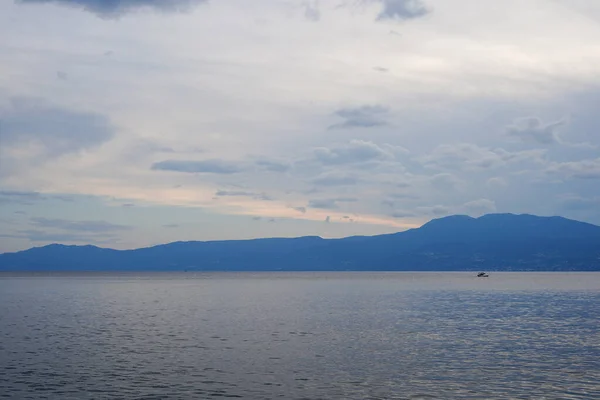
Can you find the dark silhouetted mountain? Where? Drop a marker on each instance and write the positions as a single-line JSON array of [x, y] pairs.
[[500, 242]]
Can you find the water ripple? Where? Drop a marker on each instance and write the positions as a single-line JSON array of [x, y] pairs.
[[269, 336]]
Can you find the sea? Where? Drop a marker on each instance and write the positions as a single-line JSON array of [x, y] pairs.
[[299, 336]]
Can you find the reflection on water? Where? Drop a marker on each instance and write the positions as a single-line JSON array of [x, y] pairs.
[[300, 336]]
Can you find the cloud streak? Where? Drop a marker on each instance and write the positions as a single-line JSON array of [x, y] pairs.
[[584, 169], [330, 204], [78, 226], [116, 8], [37, 236], [362, 117], [28, 198], [468, 155], [336, 180], [207, 166], [23, 198], [273, 166]]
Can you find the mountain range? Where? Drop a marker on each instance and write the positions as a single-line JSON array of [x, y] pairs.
[[496, 242]]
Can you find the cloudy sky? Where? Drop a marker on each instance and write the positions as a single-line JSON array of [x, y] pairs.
[[128, 123]]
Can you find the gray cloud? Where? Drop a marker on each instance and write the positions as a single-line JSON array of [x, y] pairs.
[[243, 193], [335, 179], [222, 193], [388, 203], [116, 8], [445, 181], [66, 198], [264, 197], [143, 148], [78, 226], [326, 204], [60, 131], [16, 197], [394, 198], [35, 235], [574, 202], [356, 151], [471, 156], [170, 226], [380, 69], [436, 211], [479, 207], [404, 196], [584, 169], [402, 214], [311, 10], [28, 198], [206, 166], [402, 9], [361, 117], [330, 204], [497, 182], [533, 129], [273, 166], [300, 209], [8, 221]]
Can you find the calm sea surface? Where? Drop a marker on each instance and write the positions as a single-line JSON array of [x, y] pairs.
[[300, 336]]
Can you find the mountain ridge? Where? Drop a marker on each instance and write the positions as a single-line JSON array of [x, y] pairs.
[[522, 242]]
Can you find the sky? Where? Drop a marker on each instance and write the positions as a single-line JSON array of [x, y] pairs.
[[129, 123]]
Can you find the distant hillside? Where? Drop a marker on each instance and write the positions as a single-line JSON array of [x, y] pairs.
[[502, 242]]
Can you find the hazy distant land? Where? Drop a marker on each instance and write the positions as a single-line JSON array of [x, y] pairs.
[[496, 242]]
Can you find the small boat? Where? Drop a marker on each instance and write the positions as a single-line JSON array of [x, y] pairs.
[[482, 275]]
